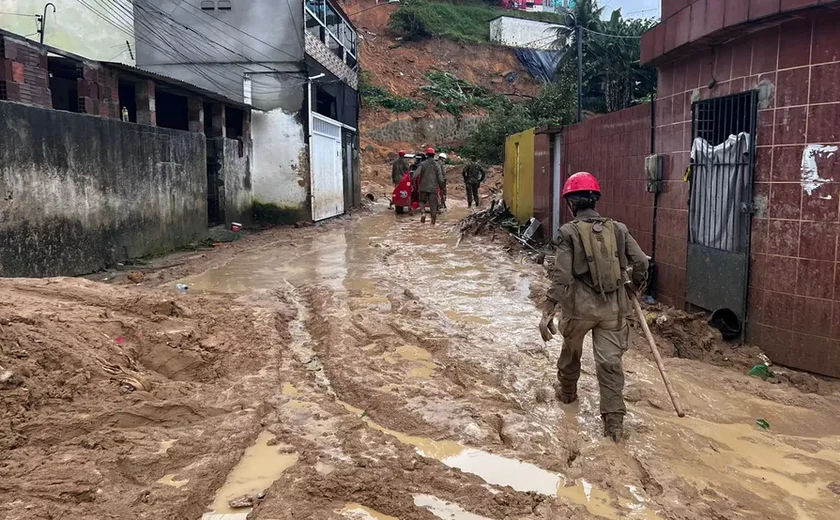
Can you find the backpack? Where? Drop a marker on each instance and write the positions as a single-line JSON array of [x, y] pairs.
[[601, 249]]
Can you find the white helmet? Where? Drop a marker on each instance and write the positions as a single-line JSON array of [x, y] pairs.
[[443, 156]]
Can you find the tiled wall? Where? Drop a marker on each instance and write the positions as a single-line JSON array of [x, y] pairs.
[[794, 309], [712, 21], [613, 147]]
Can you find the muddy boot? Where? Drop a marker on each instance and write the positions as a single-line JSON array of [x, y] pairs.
[[423, 219], [613, 426], [565, 395]]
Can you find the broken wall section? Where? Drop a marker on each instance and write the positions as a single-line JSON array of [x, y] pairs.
[[78, 193]]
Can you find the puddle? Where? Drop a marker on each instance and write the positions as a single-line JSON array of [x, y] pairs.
[[169, 480], [765, 456], [258, 468], [521, 476], [423, 371], [412, 353], [289, 389], [360, 512], [164, 446], [324, 468], [445, 510], [466, 318]]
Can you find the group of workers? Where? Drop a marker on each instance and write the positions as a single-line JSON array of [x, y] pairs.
[[429, 174]]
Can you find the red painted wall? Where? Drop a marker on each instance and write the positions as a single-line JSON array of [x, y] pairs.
[[613, 147], [794, 309], [709, 21]]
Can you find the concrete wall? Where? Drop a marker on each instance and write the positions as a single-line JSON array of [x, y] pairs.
[[75, 28], [280, 171], [230, 159], [518, 32], [221, 46], [82, 192], [425, 129]]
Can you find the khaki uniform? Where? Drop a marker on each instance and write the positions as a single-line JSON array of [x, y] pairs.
[[430, 177], [584, 309], [473, 176], [399, 169]]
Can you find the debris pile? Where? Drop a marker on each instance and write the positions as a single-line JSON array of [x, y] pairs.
[[497, 219]]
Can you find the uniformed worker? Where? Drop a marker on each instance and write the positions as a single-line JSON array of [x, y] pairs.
[[429, 178], [441, 162], [399, 168], [474, 175], [589, 291]]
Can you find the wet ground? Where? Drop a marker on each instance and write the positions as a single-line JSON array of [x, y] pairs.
[[384, 373]]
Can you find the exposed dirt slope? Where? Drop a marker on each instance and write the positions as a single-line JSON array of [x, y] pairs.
[[401, 69]]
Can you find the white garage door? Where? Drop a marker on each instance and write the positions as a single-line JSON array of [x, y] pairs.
[[327, 174]]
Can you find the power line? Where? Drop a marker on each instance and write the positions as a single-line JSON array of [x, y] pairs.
[[611, 35], [21, 14]]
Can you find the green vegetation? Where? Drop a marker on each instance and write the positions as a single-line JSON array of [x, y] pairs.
[[613, 78], [375, 97], [555, 105], [468, 22], [454, 95]]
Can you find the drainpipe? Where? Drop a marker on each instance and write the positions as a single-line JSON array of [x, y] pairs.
[[310, 119]]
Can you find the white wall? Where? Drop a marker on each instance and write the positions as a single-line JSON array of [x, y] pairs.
[[280, 175], [518, 32], [75, 28]]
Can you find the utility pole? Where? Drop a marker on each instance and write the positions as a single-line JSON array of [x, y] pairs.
[[579, 32], [43, 20]]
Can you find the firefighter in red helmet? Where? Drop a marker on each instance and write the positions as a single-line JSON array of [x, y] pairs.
[[588, 291]]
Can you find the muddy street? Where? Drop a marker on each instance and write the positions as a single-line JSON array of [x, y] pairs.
[[371, 369]]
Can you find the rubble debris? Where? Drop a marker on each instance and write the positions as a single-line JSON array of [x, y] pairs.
[[242, 502], [136, 276]]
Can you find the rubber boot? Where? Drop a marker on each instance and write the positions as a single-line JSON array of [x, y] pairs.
[[565, 395], [613, 426], [423, 218]]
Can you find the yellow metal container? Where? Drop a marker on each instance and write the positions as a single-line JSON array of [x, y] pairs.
[[518, 182]]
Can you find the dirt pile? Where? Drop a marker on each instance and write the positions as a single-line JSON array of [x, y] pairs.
[[400, 67], [117, 388]]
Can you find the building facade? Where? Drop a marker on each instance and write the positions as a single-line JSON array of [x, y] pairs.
[[766, 73], [522, 33], [297, 65], [101, 162]]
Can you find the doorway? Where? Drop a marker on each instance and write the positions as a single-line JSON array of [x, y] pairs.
[[720, 207]]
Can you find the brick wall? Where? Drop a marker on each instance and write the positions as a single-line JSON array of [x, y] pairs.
[[99, 93], [23, 73], [689, 24], [613, 147], [794, 307]]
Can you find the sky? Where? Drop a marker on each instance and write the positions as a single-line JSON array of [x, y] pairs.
[[632, 8]]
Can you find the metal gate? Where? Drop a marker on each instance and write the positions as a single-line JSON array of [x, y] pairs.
[[327, 173], [721, 204]]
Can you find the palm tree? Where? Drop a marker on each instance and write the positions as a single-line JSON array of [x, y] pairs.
[[616, 51], [611, 51]]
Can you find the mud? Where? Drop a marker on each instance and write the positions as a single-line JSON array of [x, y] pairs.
[[370, 369]]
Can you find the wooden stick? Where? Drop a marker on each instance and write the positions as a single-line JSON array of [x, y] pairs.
[[673, 395]]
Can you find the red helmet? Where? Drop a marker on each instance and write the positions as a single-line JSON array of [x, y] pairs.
[[581, 181], [430, 151], [402, 153]]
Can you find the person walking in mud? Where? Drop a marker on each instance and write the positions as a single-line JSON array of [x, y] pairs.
[[474, 175], [589, 281], [399, 168], [429, 177]]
